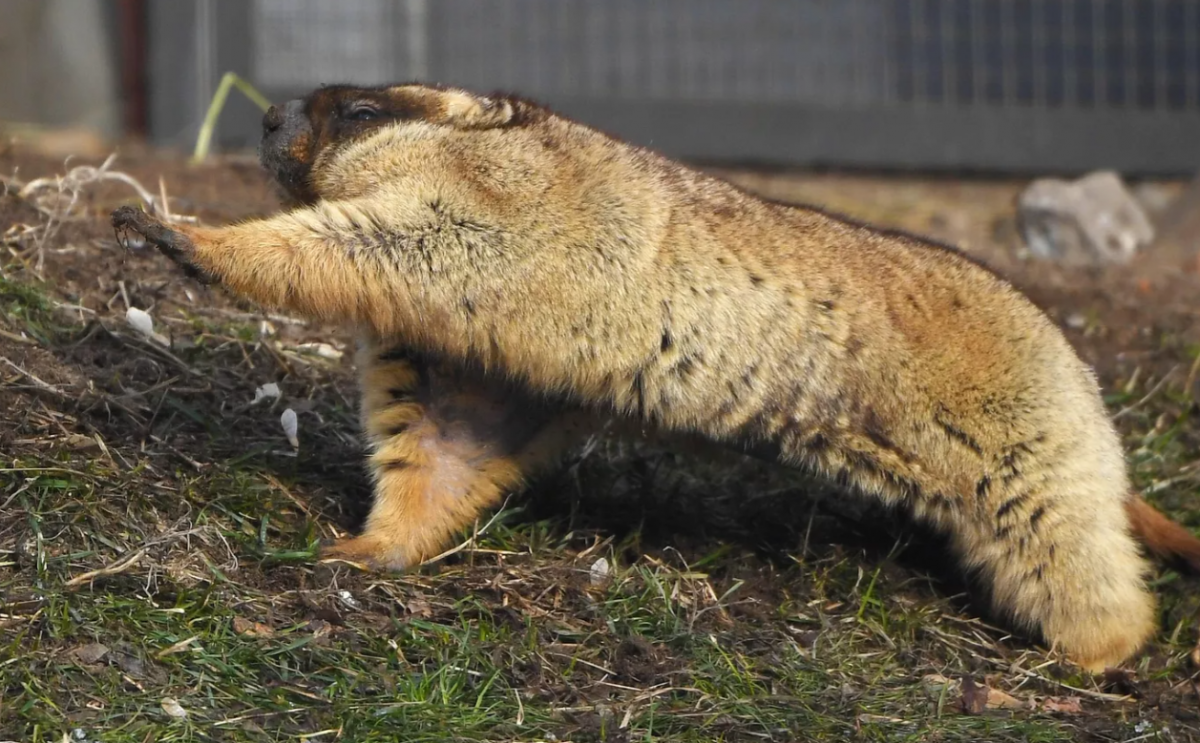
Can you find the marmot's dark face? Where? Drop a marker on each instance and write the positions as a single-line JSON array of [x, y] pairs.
[[286, 148], [296, 132], [300, 134]]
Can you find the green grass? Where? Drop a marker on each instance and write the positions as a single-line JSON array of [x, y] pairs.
[[467, 671], [27, 308], [438, 656]]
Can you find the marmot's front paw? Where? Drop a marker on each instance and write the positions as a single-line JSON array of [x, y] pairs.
[[175, 245]]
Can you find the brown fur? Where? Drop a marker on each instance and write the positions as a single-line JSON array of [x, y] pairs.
[[520, 257], [1162, 537]]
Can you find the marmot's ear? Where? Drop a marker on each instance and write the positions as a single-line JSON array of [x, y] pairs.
[[477, 112]]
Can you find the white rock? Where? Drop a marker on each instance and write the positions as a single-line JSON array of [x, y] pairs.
[[269, 391], [1093, 220], [291, 427], [1155, 198], [598, 574], [141, 321], [937, 686], [324, 350], [173, 708]]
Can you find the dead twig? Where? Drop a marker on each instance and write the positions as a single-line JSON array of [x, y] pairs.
[[17, 338], [38, 382], [67, 188], [474, 538], [1153, 391], [452, 551], [115, 569], [1098, 695]]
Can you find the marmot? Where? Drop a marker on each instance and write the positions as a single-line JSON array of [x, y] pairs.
[[517, 277]]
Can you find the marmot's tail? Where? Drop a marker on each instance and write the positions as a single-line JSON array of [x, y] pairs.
[[1163, 537]]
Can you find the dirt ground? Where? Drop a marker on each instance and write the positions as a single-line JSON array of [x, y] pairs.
[[158, 533]]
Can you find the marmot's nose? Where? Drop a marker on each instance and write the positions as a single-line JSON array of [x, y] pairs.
[[273, 119], [277, 116]]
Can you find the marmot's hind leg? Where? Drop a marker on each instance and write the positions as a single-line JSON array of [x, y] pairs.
[[445, 448], [1062, 561]]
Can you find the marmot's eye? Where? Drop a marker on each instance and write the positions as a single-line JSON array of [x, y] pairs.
[[362, 112]]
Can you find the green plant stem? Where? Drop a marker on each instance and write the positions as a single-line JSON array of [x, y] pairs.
[[229, 80]]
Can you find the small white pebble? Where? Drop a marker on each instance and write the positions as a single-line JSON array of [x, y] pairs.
[[291, 427], [1076, 320], [346, 598], [78, 734], [173, 708], [269, 391], [599, 571], [324, 350], [141, 321]]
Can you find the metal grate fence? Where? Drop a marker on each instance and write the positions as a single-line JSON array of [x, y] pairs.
[[937, 84]]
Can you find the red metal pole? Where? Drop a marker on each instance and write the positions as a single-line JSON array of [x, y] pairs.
[[132, 33]]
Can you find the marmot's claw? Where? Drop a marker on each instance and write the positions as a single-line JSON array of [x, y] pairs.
[[175, 245]]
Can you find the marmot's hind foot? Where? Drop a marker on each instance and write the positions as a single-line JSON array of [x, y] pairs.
[[368, 553]]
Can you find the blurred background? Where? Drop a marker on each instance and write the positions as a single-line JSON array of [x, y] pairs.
[[1002, 86]]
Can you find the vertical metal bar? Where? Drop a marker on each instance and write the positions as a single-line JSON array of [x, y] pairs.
[[1129, 48], [1071, 97], [1191, 81], [706, 65], [1161, 37], [818, 66], [534, 51], [655, 73], [1008, 55], [132, 36], [626, 45], [507, 63], [978, 55], [416, 31], [920, 91], [855, 76], [669, 39], [685, 71], [734, 65], [1038, 53], [891, 48], [947, 48], [205, 45], [749, 64], [533, 19], [1099, 52], [874, 60]]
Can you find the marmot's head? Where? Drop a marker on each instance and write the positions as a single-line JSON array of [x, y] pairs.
[[303, 134]]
